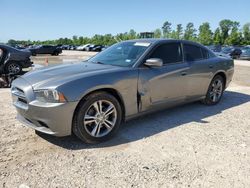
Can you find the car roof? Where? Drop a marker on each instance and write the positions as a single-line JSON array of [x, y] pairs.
[[7, 47], [159, 40]]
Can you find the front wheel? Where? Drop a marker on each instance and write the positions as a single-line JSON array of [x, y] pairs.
[[215, 91], [98, 118]]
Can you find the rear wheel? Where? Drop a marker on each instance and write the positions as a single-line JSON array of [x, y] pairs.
[[215, 91], [98, 118], [55, 53], [13, 68]]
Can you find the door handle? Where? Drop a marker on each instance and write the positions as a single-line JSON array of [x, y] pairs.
[[183, 73], [211, 66]]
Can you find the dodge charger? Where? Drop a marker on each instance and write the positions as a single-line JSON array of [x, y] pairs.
[[93, 98]]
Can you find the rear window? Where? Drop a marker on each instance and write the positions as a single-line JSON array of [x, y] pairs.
[[192, 52], [169, 53]]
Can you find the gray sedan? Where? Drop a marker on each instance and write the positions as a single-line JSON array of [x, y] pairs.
[[91, 99]]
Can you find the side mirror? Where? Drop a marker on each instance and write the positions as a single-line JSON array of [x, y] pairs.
[[154, 62]]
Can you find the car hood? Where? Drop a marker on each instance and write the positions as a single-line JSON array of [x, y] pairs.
[[57, 75]]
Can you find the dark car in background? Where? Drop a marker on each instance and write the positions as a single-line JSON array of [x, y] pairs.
[[45, 49], [215, 48], [98, 48], [13, 60], [233, 52], [90, 47]]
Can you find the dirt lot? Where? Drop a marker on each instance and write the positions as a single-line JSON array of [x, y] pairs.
[[188, 146]]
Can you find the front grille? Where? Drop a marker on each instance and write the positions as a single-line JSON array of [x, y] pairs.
[[19, 95]]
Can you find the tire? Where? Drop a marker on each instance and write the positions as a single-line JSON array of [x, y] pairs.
[[55, 54], [93, 127], [13, 68], [215, 91]]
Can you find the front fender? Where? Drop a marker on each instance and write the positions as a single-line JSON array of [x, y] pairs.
[[123, 82]]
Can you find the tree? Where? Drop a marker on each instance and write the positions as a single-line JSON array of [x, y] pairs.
[[12, 42], [179, 31], [157, 33], [228, 32], [190, 32], [132, 34], [217, 37], [246, 34], [166, 29], [235, 36], [205, 34], [225, 26], [75, 40]]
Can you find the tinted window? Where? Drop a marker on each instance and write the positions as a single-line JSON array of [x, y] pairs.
[[169, 53], [192, 53], [205, 53]]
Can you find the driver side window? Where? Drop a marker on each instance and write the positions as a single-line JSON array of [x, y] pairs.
[[169, 53]]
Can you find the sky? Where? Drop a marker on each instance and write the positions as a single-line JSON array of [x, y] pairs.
[[52, 19]]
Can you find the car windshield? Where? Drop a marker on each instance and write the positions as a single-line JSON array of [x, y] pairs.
[[227, 50], [123, 54], [246, 51]]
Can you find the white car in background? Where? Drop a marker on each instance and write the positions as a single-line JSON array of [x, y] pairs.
[[82, 47]]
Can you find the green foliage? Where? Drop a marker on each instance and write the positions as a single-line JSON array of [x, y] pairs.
[[190, 32], [179, 31], [166, 29], [157, 33], [225, 26], [246, 34], [217, 37], [205, 34], [228, 33], [234, 38]]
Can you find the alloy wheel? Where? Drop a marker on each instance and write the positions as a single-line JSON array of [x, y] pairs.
[[216, 90], [100, 118], [14, 69]]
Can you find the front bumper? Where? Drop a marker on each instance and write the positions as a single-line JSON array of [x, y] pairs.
[[54, 119]]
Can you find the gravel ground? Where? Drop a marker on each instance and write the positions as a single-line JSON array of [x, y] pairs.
[[187, 146]]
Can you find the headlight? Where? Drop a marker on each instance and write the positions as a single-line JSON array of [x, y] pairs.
[[50, 96]]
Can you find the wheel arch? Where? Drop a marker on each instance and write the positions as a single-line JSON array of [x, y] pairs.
[[110, 91], [223, 75]]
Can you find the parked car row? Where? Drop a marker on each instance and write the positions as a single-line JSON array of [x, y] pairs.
[[57, 49], [86, 47], [235, 52]]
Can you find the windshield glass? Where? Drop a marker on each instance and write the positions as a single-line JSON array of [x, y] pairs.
[[227, 50], [246, 52], [123, 54]]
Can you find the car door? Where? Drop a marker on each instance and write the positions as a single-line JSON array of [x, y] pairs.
[[45, 49], [165, 84], [200, 72]]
